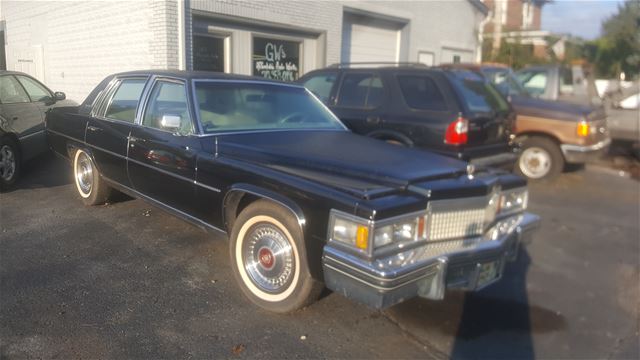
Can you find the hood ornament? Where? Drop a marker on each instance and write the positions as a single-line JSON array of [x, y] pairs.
[[470, 170]]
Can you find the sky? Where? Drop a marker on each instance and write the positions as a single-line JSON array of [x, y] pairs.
[[578, 17]]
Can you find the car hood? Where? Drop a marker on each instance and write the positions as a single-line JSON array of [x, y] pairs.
[[549, 109], [340, 159]]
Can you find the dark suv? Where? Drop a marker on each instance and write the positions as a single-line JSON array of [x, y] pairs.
[[454, 112]]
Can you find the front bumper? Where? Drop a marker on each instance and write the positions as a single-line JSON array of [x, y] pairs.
[[581, 154], [428, 270]]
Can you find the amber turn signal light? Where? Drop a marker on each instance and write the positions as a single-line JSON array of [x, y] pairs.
[[362, 237], [583, 129]]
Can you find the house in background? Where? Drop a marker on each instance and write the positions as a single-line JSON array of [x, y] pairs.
[[72, 45], [516, 21]]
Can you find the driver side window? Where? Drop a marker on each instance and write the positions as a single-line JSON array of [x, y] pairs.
[[167, 108]]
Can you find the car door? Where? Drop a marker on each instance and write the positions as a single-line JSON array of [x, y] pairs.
[[360, 97], [23, 117], [35, 141], [162, 147], [108, 128]]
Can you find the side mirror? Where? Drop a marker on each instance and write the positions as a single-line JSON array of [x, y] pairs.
[[170, 122], [59, 96]]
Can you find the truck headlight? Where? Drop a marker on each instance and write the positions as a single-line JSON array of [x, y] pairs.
[[513, 201]]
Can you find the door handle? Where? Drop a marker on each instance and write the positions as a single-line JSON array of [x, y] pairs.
[[371, 119], [93, 128], [133, 139]]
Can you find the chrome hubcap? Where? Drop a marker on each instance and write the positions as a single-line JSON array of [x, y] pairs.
[[7, 163], [268, 258], [535, 162], [84, 173]]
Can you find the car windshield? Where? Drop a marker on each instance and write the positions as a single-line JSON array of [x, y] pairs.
[[245, 106], [505, 82], [478, 93]]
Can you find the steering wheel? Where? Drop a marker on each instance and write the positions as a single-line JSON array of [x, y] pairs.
[[296, 117]]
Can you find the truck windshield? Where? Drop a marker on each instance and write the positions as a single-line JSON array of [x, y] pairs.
[[505, 82], [245, 106], [478, 94]]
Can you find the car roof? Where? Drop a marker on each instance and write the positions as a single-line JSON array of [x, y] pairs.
[[202, 75], [10, 72]]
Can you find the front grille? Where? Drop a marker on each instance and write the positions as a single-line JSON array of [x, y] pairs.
[[461, 218]]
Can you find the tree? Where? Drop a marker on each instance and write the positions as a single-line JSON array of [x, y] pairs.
[[618, 49]]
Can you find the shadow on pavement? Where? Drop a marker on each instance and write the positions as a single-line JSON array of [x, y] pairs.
[[44, 171], [497, 322]]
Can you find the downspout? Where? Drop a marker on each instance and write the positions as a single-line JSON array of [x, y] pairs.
[[483, 23], [181, 35]]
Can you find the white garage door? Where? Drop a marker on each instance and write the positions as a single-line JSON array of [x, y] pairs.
[[365, 40]]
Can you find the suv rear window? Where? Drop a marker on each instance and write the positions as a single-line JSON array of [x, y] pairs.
[[478, 94], [421, 93]]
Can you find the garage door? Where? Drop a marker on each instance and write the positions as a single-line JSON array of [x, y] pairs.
[[365, 39]]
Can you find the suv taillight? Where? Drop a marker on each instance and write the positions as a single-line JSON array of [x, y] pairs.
[[457, 132]]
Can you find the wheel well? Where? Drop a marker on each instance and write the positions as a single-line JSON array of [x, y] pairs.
[[234, 204], [523, 136], [14, 138]]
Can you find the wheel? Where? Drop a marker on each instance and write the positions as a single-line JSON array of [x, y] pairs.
[[540, 158], [92, 189], [269, 259], [9, 162]]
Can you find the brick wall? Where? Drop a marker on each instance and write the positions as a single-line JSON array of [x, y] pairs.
[[82, 42]]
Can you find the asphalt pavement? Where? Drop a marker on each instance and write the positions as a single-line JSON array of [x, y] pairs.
[[126, 280]]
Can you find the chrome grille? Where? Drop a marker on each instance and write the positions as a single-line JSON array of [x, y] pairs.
[[461, 218]]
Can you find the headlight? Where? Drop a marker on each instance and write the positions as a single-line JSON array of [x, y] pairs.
[[349, 230], [361, 234], [513, 201]]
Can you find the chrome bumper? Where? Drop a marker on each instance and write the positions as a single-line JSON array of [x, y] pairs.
[[581, 154], [425, 271]]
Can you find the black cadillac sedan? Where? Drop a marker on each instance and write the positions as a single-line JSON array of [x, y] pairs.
[[305, 202]]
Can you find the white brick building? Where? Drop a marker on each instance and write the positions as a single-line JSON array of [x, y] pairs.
[[72, 45]]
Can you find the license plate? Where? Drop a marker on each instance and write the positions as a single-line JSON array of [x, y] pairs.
[[488, 272]]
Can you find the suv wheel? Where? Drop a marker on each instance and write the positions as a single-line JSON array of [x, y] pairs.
[[540, 158], [269, 259]]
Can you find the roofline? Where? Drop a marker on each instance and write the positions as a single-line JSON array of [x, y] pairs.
[[478, 4]]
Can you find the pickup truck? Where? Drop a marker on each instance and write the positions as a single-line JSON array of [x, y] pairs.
[[304, 202]]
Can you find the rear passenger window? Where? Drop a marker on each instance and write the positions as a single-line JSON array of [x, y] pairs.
[[125, 100], [361, 91], [421, 93], [320, 85]]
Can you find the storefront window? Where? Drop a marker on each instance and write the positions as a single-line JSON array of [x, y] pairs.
[[276, 59], [208, 53]]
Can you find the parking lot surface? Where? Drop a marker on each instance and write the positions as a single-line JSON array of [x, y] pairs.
[[125, 280]]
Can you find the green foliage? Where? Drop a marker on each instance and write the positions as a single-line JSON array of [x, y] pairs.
[[618, 49], [513, 54]]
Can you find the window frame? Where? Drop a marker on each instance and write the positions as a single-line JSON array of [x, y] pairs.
[[377, 74], [51, 94], [21, 87], [109, 93], [447, 108], [146, 99]]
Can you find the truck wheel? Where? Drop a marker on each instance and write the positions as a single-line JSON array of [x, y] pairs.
[[540, 158], [9, 162], [91, 187], [269, 258]]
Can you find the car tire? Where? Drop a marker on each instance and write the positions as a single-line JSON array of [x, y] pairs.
[[269, 259], [540, 159], [91, 187], [10, 162]]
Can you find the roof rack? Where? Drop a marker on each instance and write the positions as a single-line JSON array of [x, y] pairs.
[[378, 63]]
